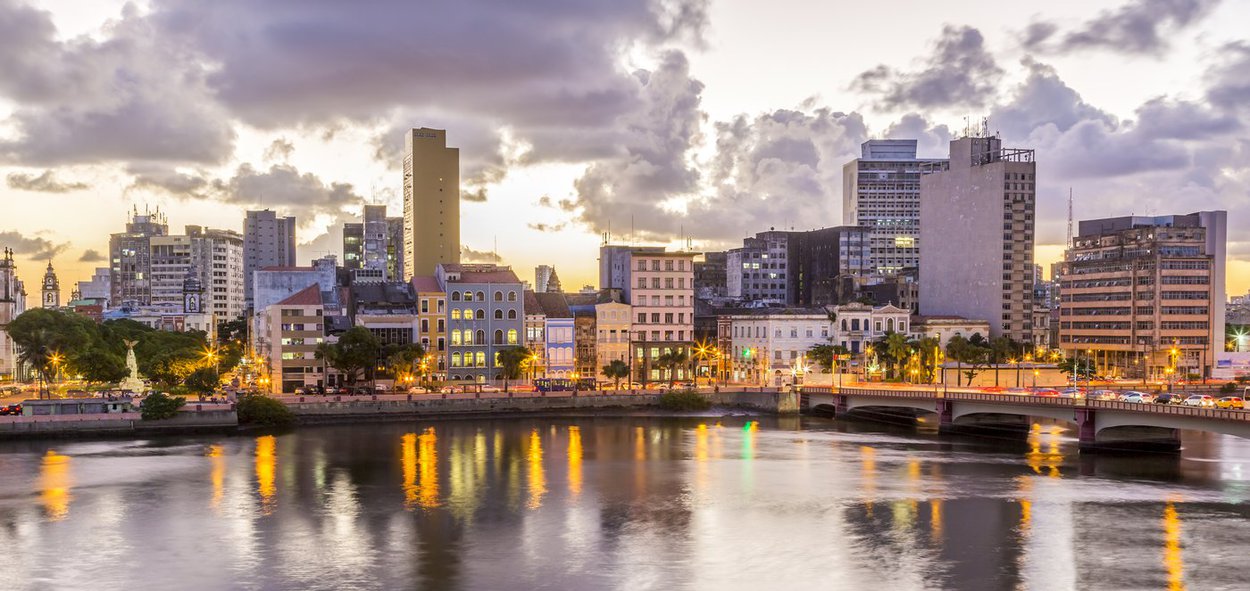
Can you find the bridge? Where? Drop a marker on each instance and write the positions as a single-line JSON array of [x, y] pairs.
[[1101, 424]]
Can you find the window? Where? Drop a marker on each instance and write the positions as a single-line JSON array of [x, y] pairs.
[[481, 337], [512, 296], [499, 296], [468, 338], [642, 282], [481, 314], [642, 318], [481, 297], [498, 337], [425, 306], [480, 357], [425, 325], [498, 314], [511, 314], [668, 265], [442, 325], [455, 360], [455, 314], [512, 335], [455, 338], [455, 296]]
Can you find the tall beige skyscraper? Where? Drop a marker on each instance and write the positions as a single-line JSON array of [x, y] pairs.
[[431, 202]]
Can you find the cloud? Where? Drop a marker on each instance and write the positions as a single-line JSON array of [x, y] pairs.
[[652, 162], [958, 72], [468, 255], [134, 94], [45, 182], [1230, 86], [1139, 26], [91, 256], [279, 150], [476, 196], [35, 248], [545, 227]]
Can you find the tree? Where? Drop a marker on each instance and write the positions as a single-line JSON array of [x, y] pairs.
[[99, 364], [894, 350], [355, 352], [972, 352], [47, 338], [670, 361], [401, 360], [232, 331], [511, 359], [262, 410], [615, 370], [204, 380], [158, 406]]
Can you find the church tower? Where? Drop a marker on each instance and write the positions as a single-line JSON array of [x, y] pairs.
[[51, 289]]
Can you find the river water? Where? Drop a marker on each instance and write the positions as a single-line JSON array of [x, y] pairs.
[[753, 503]]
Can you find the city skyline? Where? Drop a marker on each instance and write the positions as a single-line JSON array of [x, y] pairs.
[[631, 114]]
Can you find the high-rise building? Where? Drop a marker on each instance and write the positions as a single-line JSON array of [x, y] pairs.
[[659, 285], [881, 191], [542, 278], [368, 251], [130, 258], [824, 265], [431, 202], [757, 271], [214, 257], [1144, 296], [268, 241], [977, 211], [711, 276], [97, 288], [394, 248]]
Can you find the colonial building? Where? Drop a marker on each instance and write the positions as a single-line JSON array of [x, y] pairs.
[[484, 307], [769, 346], [432, 324], [12, 304], [943, 328], [558, 346], [659, 285], [858, 325]]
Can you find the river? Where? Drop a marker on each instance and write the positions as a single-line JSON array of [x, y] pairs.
[[752, 503]]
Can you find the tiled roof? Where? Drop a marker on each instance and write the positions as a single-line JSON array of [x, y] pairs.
[[531, 304], [425, 283], [309, 296], [502, 276], [554, 305]]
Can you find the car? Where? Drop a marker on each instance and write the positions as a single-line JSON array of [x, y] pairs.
[[490, 389], [1104, 395], [1169, 398], [1072, 393], [1233, 402], [1132, 396], [11, 410], [1200, 400], [379, 387], [1051, 392], [301, 391]]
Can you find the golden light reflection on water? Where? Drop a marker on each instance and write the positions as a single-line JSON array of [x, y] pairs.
[[54, 485], [1173, 561], [266, 461], [537, 477], [427, 460], [218, 476], [935, 519], [408, 462], [1026, 506], [868, 471], [575, 461], [1049, 461]]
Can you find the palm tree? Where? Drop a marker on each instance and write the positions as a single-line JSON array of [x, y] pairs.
[[616, 370], [897, 349], [670, 361]]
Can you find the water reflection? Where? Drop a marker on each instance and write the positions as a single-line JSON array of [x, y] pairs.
[[575, 460], [537, 477], [1173, 562], [54, 485], [1049, 460], [266, 461], [218, 475]]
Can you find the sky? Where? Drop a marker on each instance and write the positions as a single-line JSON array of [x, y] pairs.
[[673, 122]]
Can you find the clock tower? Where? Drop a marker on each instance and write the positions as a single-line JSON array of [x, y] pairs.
[[51, 289]]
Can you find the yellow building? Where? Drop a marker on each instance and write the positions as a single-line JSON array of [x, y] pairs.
[[432, 324], [431, 202]]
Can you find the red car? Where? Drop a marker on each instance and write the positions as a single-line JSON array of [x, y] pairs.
[[1046, 392], [11, 410]]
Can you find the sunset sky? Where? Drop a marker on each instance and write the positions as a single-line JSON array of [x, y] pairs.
[[654, 119]]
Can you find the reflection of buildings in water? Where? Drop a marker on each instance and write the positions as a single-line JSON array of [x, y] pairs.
[[218, 474], [466, 472], [537, 476], [1173, 561], [408, 462], [266, 462], [427, 461], [55, 483], [868, 477], [1050, 459], [575, 461]]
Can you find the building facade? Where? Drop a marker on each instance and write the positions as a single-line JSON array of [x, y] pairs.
[[983, 197], [1144, 296], [827, 264], [130, 258], [757, 271], [769, 347], [484, 317], [659, 286], [432, 324], [268, 241], [881, 192], [431, 202], [857, 326], [12, 304], [373, 247], [50, 289], [294, 327], [558, 331], [711, 276]]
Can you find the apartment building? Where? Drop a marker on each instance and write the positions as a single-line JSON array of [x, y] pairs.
[[769, 346], [881, 192], [659, 285]]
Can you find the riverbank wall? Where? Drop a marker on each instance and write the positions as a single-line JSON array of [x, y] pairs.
[[117, 424]]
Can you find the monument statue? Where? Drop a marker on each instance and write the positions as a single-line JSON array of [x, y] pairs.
[[132, 381]]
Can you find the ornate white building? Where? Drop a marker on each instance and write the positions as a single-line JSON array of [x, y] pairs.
[[12, 304]]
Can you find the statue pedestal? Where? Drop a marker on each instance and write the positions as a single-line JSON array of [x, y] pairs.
[[133, 384]]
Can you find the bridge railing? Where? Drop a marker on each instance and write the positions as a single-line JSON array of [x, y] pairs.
[[1169, 409], [888, 393], [1008, 398]]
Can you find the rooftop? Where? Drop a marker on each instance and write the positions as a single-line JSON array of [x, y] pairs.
[[309, 296]]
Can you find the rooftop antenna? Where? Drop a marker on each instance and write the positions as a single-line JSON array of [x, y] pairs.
[[1068, 246]]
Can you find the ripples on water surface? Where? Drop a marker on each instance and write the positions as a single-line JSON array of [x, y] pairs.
[[593, 503]]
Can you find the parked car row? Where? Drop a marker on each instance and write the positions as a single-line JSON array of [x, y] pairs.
[[11, 410]]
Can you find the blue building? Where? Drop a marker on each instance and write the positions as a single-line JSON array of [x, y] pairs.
[[484, 316], [558, 349]]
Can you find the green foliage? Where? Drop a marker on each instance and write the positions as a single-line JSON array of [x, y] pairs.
[[616, 370], [512, 358], [684, 400], [263, 410], [47, 339], [158, 406], [232, 331], [1228, 388], [402, 359], [99, 364], [969, 354], [204, 380], [670, 361], [355, 352]]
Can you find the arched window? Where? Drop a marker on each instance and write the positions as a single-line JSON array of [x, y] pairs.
[[511, 314], [499, 337], [481, 337], [481, 297], [499, 296], [496, 361], [889, 324], [455, 314], [455, 360], [455, 377], [481, 314], [481, 359], [512, 336], [512, 296], [498, 314], [468, 338], [854, 324], [455, 296]]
